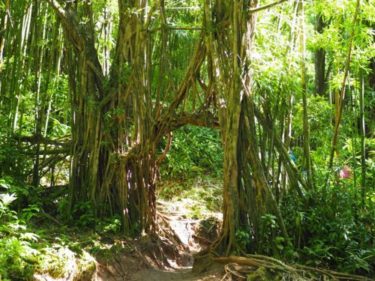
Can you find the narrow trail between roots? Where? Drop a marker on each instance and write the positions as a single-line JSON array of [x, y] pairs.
[[171, 257], [185, 231]]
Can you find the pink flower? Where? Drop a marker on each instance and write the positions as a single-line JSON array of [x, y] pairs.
[[345, 172]]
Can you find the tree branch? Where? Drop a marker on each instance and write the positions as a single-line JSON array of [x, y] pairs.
[[194, 66], [34, 139], [200, 119], [343, 88], [69, 25], [171, 27], [266, 6], [166, 149]]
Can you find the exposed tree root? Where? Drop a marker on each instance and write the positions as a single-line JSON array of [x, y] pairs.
[[257, 267]]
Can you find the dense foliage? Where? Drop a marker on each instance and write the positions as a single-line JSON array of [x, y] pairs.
[[194, 152], [105, 105]]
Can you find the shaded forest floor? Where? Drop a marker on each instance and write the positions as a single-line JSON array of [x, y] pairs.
[[182, 233], [188, 221]]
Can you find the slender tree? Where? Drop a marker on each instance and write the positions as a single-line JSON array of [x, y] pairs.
[[306, 126], [320, 59]]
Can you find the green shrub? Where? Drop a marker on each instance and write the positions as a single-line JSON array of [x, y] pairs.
[[333, 230], [21, 251], [194, 151], [17, 259]]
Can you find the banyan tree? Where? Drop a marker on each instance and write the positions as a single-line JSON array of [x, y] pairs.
[[118, 119], [247, 192], [124, 104], [92, 93]]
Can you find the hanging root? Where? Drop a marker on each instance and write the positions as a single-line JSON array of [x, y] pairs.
[[257, 267]]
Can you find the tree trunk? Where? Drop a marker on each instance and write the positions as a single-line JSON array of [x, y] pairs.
[[306, 126], [246, 193], [320, 60], [116, 126]]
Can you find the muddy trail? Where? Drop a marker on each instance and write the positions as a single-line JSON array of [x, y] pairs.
[[169, 255]]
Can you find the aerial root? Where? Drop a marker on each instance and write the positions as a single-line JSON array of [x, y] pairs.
[[258, 267]]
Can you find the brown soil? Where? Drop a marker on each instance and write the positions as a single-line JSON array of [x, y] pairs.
[[131, 269], [168, 255]]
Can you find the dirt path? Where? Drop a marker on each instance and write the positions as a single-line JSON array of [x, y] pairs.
[[180, 275], [132, 269], [171, 259]]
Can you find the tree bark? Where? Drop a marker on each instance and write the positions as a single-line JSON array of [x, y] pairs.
[[320, 60]]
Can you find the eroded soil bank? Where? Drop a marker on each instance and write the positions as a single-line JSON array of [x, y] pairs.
[[170, 255], [165, 256]]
